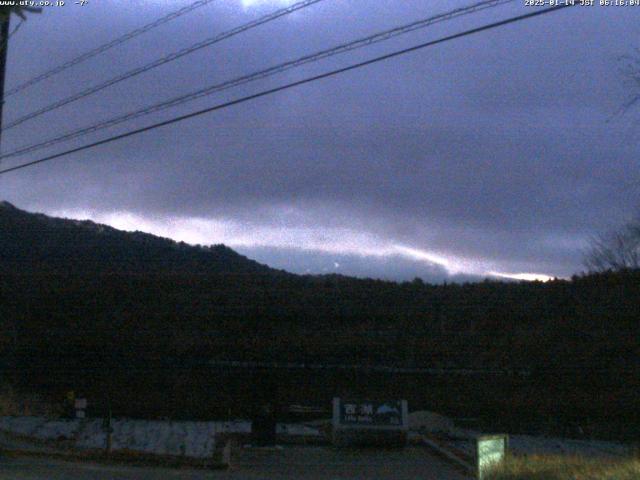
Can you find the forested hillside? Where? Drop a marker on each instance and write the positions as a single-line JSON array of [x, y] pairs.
[[72, 291], [35, 242]]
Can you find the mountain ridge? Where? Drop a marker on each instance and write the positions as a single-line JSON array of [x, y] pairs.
[[48, 242]]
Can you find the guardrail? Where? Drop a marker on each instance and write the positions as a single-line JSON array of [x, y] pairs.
[[371, 368]]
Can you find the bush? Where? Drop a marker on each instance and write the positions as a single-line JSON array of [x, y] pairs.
[[566, 468]]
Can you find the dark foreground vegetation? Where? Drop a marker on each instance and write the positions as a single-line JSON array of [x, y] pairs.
[[566, 468], [143, 323]]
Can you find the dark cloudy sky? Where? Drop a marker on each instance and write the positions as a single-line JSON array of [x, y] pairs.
[[499, 153]]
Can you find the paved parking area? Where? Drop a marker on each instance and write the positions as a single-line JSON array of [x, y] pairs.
[[293, 463], [316, 463]]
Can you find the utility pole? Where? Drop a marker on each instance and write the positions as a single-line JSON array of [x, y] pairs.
[[5, 20]]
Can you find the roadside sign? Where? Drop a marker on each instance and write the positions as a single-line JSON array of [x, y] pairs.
[[491, 451], [370, 422], [369, 413], [80, 406]]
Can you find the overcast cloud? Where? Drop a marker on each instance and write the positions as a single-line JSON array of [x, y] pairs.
[[499, 153]]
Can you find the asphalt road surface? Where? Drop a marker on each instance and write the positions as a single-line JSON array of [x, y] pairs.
[[304, 463]]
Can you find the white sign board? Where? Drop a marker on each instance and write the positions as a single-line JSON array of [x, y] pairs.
[[370, 421], [491, 451]]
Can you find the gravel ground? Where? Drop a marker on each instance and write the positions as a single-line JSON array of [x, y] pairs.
[[191, 439], [196, 440]]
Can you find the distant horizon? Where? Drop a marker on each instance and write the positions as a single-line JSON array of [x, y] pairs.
[[358, 262]]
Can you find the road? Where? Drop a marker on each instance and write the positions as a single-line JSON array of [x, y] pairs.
[[303, 463]]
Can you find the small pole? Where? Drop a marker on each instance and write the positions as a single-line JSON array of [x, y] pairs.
[[108, 429], [109, 432]]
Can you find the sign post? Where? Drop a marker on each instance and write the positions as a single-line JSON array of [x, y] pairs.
[[368, 422], [80, 406], [491, 451]]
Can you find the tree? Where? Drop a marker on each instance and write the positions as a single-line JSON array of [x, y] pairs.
[[630, 70], [618, 250]]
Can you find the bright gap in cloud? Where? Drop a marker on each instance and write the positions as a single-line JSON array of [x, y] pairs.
[[342, 241], [530, 277]]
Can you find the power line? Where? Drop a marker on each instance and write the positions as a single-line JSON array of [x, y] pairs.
[[261, 74], [103, 48], [290, 85], [161, 61]]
